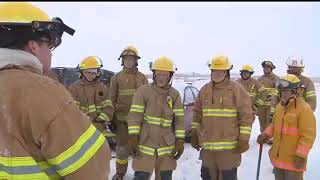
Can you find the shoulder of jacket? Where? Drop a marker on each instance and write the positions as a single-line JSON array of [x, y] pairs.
[[304, 106], [41, 83], [76, 83], [305, 78], [174, 91], [205, 87], [144, 87]]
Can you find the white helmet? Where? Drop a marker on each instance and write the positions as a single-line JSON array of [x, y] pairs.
[[295, 61]]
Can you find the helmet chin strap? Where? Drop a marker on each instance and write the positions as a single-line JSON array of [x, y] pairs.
[[219, 81], [169, 81]]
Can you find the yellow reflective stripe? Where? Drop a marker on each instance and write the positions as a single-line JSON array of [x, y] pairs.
[[89, 109], [272, 110], [79, 153], [158, 121], [127, 92], [165, 150], [146, 150], [106, 103], [259, 102], [261, 89], [122, 161], [108, 134], [92, 108], [49, 170], [267, 103], [98, 109], [219, 145], [103, 116], [134, 129], [245, 130], [137, 108], [179, 112], [252, 94], [20, 168], [195, 125], [310, 94], [220, 112], [180, 133]]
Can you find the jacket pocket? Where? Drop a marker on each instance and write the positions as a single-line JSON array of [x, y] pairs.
[[169, 138], [143, 137]]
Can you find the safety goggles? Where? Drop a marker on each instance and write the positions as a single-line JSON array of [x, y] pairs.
[[284, 84], [54, 29]]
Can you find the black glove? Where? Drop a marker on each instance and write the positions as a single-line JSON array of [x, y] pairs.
[[112, 126], [262, 138], [178, 149]]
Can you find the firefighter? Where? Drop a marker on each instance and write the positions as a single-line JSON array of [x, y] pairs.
[[122, 88], [43, 134], [253, 87], [222, 123], [91, 95], [295, 66], [268, 80], [156, 124], [293, 130]]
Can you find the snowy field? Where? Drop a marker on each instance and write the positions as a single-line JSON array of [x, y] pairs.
[[189, 165]]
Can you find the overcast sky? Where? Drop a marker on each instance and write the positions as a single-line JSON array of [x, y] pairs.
[[191, 33]]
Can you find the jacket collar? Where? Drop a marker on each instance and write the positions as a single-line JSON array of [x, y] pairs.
[[17, 58], [130, 71], [165, 90]]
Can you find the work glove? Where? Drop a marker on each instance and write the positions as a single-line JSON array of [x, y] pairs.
[[178, 149], [133, 143], [112, 126], [299, 162], [242, 146], [262, 138], [195, 140], [255, 108]]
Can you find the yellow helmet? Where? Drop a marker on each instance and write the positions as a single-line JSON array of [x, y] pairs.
[[15, 15], [91, 62], [289, 81], [247, 67], [130, 50], [21, 12], [164, 63], [220, 63]]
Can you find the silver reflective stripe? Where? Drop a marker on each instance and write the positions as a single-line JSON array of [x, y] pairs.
[[21, 169]]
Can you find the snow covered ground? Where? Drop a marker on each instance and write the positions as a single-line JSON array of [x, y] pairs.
[[189, 165]]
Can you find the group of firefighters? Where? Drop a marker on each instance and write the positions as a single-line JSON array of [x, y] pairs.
[[49, 132]]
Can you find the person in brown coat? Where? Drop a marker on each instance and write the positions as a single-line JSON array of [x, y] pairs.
[[295, 66], [43, 134], [91, 95], [222, 122], [253, 87], [123, 85], [269, 80], [156, 125]]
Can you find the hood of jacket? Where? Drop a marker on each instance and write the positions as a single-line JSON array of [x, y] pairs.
[[13, 57]]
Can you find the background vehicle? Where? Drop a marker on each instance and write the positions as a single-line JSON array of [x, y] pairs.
[[68, 75]]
